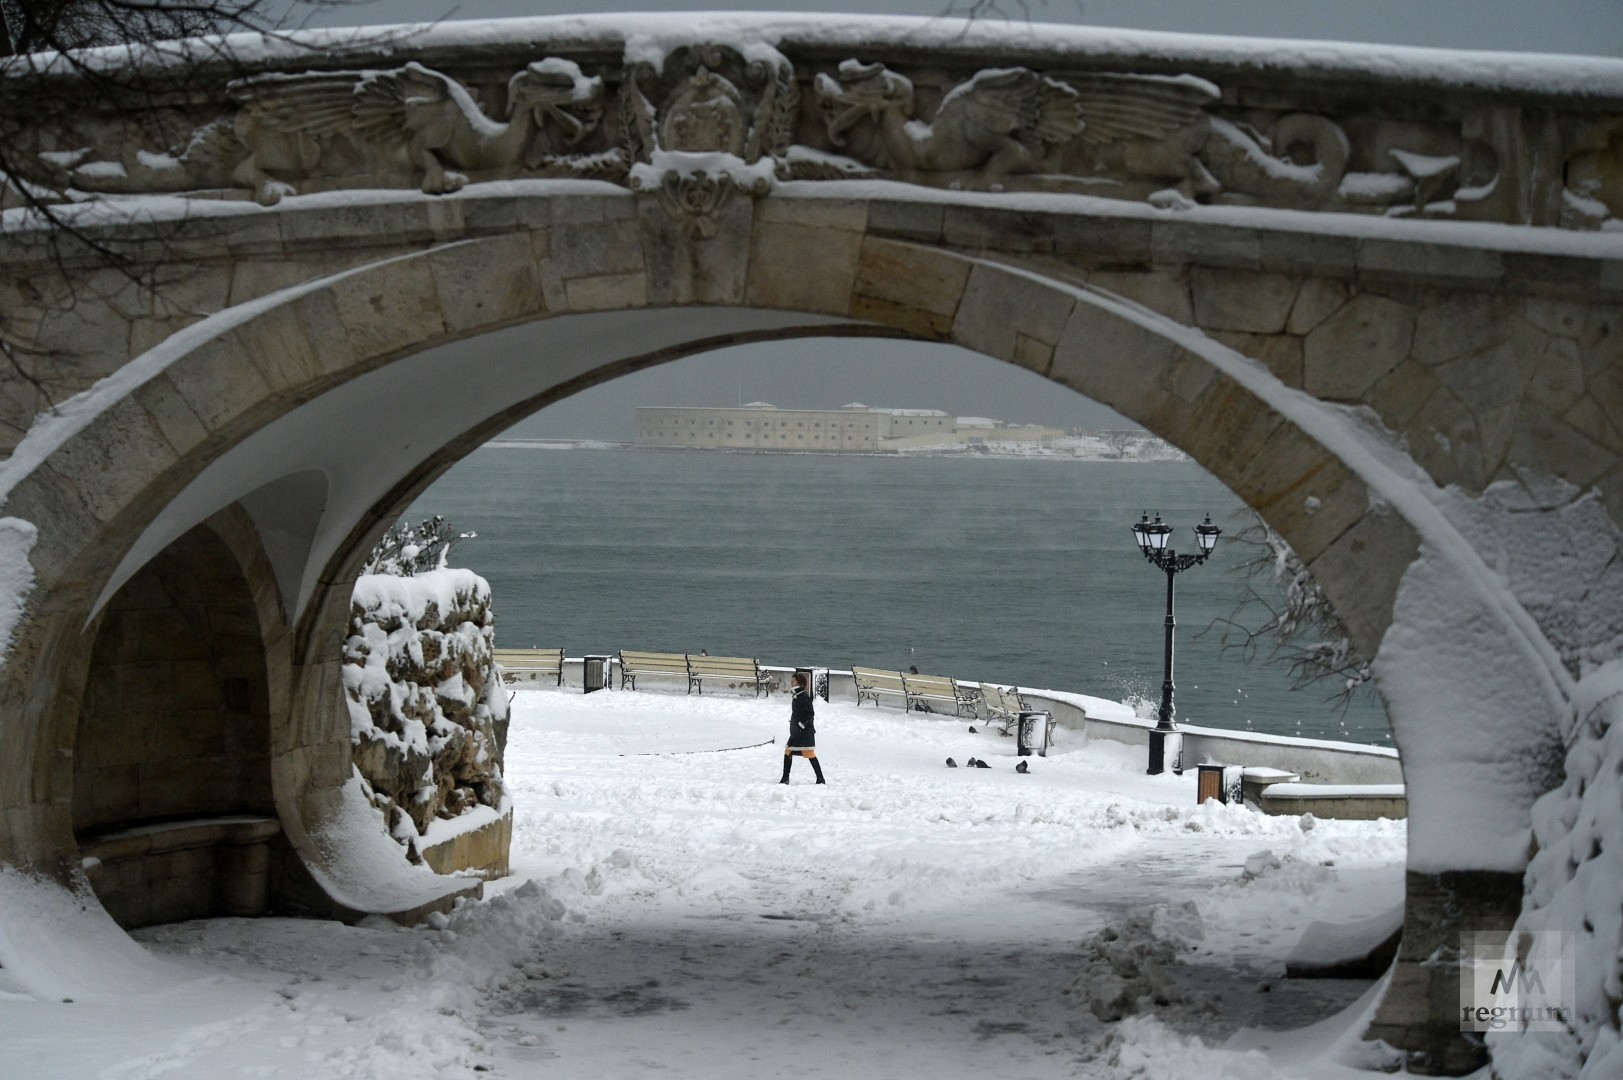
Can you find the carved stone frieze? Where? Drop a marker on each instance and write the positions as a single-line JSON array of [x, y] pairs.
[[680, 118]]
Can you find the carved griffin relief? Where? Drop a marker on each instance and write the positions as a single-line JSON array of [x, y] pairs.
[[370, 128], [999, 122], [1092, 133]]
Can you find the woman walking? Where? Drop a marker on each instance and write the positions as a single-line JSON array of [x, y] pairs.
[[802, 729]]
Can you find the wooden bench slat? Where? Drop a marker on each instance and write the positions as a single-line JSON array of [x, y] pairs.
[[532, 662]]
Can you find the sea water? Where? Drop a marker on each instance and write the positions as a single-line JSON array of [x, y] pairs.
[[1016, 571]]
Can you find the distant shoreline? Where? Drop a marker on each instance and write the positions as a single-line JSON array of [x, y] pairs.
[[1074, 448]]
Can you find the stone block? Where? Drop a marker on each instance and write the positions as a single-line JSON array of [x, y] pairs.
[[217, 383], [1443, 440], [1360, 571], [989, 228], [1102, 241], [1552, 447], [910, 320], [844, 215], [1321, 255], [107, 794], [1555, 370], [1566, 318], [608, 292], [487, 283], [278, 345], [170, 414], [1450, 325], [780, 261], [1317, 300], [253, 278], [594, 209], [484, 213], [906, 220], [1595, 423], [1280, 353], [353, 223], [696, 269], [1487, 379], [1351, 351], [1175, 242], [1241, 300], [1112, 360], [921, 279], [389, 309], [999, 305], [113, 458], [1160, 291], [1428, 262]]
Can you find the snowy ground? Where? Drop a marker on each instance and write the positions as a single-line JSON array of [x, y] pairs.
[[678, 913]]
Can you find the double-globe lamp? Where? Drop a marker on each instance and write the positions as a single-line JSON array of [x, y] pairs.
[[1166, 744]]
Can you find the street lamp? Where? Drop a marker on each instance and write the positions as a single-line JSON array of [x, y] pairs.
[[1152, 537]]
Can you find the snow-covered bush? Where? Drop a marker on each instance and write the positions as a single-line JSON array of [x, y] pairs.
[[1575, 885], [427, 715], [406, 550]]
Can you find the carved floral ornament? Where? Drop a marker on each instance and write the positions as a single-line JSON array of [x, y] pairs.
[[698, 125]]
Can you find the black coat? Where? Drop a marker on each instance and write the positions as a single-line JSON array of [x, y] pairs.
[[802, 722]]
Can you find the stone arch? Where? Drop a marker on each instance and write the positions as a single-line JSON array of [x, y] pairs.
[[234, 409]]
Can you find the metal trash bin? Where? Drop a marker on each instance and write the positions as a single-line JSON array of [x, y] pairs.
[[817, 679], [594, 673], [1032, 734]]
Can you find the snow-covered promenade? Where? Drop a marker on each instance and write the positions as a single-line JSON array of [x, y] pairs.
[[680, 914]]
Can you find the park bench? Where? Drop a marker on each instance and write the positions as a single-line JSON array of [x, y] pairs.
[[634, 663], [926, 693], [730, 669], [1002, 706], [695, 668], [873, 684], [530, 665]]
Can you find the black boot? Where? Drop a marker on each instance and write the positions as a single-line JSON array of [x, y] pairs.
[[787, 761], [816, 768]]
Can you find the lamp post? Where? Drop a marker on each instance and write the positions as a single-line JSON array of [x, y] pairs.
[[1152, 537]]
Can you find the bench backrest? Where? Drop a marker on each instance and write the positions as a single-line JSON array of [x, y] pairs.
[[931, 686], [673, 663], [725, 667], [878, 679], [1002, 699], [525, 658]]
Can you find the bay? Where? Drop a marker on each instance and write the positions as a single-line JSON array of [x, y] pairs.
[[1018, 571]]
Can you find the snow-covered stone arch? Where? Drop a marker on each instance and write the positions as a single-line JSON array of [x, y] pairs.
[[328, 372]]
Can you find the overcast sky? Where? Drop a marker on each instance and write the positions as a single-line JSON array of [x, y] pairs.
[[831, 372]]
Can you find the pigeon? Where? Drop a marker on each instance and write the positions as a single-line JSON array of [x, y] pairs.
[[979, 764], [951, 764], [971, 763], [972, 730], [1021, 768]]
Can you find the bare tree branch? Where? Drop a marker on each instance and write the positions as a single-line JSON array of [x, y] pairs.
[[1284, 615]]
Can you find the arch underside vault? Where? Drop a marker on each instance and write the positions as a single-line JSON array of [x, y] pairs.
[[352, 367]]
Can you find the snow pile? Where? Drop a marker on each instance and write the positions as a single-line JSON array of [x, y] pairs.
[[1573, 886], [17, 538], [1130, 968], [427, 716]]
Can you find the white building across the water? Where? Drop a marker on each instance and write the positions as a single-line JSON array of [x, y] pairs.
[[854, 428]]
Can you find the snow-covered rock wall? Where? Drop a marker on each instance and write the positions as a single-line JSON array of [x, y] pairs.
[[427, 715]]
